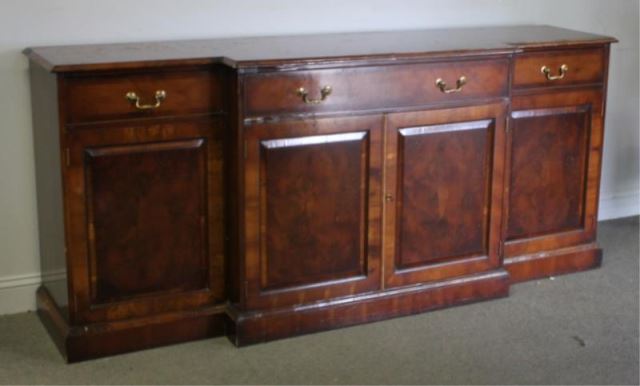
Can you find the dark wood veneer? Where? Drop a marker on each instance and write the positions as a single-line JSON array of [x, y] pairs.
[[365, 88], [102, 97], [312, 210], [236, 207], [135, 195], [584, 66], [313, 214]]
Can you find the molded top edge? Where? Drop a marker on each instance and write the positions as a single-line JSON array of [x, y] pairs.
[[312, 49]]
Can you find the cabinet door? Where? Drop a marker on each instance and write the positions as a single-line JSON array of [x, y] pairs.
[[555, 142], [312, 210], [145, 217], [443, 196]]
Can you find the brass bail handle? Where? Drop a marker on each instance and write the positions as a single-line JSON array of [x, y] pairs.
[[134, 99], [442, 85], [561, 72], [324, 93]]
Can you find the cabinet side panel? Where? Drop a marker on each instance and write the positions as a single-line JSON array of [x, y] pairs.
[[46, 142]]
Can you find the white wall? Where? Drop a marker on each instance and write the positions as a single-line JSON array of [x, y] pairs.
[[26, 23]]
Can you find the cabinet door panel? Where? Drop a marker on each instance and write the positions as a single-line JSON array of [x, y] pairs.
[[554, 157], [146, 209], [443, 193], [315, 191], [548, 159], [147, 212], [312, 214], [443, 179]]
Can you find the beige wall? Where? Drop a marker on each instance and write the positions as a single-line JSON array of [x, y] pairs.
[[26, 23]]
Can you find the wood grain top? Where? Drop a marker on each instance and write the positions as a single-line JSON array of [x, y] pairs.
[[308, 49]]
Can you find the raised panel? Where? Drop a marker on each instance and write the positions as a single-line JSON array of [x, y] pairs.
[[553, 164], [312, 209], [146, 213], [315, 192], [548, 170], [444, 172], [443, 190]]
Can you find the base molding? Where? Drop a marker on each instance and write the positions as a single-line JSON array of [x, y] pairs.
[[261, 326], [81, 342], [77, 343], [552, 263]]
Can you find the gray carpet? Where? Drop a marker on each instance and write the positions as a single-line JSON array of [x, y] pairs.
[[575, 329]]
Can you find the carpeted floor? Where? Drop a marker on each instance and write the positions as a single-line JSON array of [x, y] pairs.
[[575, 329]]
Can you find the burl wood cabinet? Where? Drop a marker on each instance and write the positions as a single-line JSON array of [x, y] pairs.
[[268, 187]]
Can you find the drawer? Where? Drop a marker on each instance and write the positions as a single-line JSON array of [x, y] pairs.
[[374, 87], [580, 66], [104, 97]]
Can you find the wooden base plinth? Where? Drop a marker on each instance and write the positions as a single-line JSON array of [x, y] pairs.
[[557, 262], [77, 343], [255, 327], [95, 340]]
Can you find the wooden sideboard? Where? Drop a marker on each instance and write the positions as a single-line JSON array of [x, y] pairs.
[[273, 186]]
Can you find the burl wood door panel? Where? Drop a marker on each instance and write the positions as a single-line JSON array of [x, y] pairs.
[[555, 142], [146, 214], [312, 209], [548, 158], [442, 192], [149, 226]]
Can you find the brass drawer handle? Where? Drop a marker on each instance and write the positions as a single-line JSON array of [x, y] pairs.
[[547, 72], [324, 93], [442, 85], [134, 99]]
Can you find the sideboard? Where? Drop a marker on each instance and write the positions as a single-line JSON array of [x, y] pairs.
[[273, 186]]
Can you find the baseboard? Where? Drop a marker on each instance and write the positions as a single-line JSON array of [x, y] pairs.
[[619, 205], [18, 292]]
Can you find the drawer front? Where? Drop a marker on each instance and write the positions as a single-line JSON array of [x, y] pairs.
[[563, 67], [104, 97], [375, 87]]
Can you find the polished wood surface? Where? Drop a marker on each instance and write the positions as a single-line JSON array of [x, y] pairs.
[[441, 167], [256, 327], [444, 174], [146, 200], [49, 154], [373, 87], [314, 215], [310, 49], [101, 98], [442, 194], [547, 188], [157, 216], [78, 343], [312, 209], [584, 66], [557, 206]]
